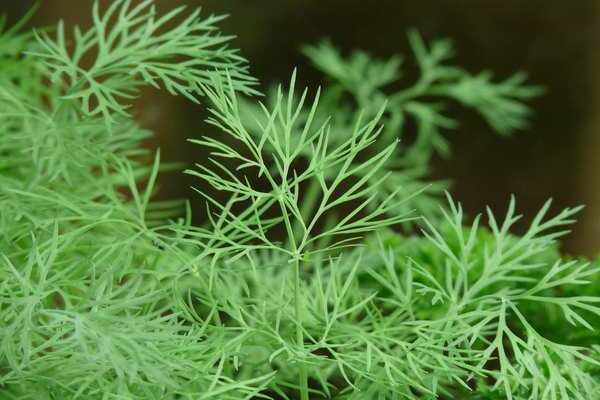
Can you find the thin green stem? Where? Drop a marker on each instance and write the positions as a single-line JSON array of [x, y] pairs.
[[302, 375], [308, 205]]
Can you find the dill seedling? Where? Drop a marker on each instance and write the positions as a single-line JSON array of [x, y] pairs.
[[296, 286]]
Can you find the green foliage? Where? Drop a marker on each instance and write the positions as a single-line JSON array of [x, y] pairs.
[[87, 261], [330, 167], [296, 286], [130, 45], [361, 83]]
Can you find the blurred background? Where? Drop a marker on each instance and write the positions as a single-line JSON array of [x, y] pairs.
[[554, 41]]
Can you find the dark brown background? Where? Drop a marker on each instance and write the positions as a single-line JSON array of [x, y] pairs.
[[555, 41]]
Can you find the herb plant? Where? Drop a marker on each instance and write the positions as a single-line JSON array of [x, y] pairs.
[[300, 284]]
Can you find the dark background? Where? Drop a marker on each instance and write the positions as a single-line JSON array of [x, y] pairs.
[[554, 41]]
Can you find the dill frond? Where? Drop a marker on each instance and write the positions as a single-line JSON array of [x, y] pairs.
[[298, 285]]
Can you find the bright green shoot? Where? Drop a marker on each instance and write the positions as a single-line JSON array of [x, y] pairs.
[[331, 167], [277, 158]]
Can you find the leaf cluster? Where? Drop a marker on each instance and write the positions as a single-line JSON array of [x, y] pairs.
[[416, 115], [296, 286]]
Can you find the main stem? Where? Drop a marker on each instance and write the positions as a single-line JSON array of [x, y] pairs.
[[302, 375]]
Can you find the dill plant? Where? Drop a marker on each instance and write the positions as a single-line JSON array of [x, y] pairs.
[[297, 286]]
